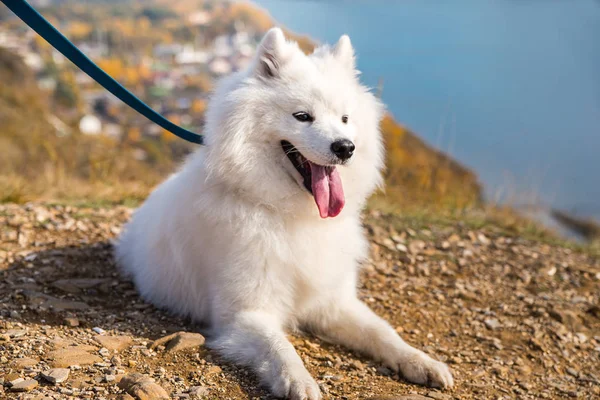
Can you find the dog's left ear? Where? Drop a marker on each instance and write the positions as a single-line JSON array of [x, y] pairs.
[[344, 52], [272, 53]]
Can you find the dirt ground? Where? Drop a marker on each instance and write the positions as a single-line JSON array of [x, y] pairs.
[[514, 319]]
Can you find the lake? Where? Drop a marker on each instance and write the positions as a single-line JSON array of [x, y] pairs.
[[509, 88]]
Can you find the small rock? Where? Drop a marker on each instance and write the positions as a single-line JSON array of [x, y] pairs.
[[572, 372], [64, 305], [582, 337], [483, 239], [13, 379], [15, 333], [550, 271], [455, 360], [566, 317], [142, 387], [99, 331], [69, 356], [357, 365], [21, 363], [438, 395], [76, 286], [71, 322], [198, 392], [406, 397], [536, 344], [525, 386], [492, 323], [56, 375], [179, 341], [116, 361], [401, 247], [500, 370], [388, 243], [114, 342], [24, 386], [215, 369], [109, 378], [416, 246], [524, 370]]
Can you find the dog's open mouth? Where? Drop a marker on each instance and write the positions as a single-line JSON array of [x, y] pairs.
[[323, 182]]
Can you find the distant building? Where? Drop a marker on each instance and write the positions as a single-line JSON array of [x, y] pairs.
[[81, 78], [199, 18], [114, 130], [140, 154], [10, 41], [220, 66], [47, 83], [189, 55], [246, 50], [57, 57], [90, 125], [184, 103], [94, 50], [34, 61], [240, 38], [241, 62], [167, 50], [222, 46], [153, 130]]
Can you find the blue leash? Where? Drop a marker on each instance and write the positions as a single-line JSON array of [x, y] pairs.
[[45, 29]]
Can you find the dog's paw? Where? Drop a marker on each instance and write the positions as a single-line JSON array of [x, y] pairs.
[[296, 386], [424, 370]]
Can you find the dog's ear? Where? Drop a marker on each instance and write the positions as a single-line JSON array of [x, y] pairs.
[[272, 53], [344, 52]]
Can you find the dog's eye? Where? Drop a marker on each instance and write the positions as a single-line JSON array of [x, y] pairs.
[[345, 119], [303, 116]]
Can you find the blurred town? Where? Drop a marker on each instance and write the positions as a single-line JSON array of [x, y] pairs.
[[168, 62]]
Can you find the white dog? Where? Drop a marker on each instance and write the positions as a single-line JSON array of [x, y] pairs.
[[235, 239]]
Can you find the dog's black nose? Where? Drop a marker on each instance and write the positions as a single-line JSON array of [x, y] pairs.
[[343, 148]]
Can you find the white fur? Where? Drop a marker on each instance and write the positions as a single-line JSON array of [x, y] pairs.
[[233, 240]]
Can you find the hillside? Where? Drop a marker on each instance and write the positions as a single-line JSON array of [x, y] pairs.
[[41, 160], [46, 156], [514, 317]]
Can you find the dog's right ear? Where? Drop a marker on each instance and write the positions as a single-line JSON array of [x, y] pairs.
[[344, 51], [272, 53]]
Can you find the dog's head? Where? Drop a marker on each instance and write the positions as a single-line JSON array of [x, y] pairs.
[[293, 130]]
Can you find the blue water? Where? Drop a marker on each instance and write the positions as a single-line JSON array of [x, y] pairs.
[[510, 88]]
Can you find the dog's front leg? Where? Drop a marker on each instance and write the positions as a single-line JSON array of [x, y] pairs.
[[353, 324], [256, 339]]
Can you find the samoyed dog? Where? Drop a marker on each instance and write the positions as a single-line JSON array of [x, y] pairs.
[[260, 231]]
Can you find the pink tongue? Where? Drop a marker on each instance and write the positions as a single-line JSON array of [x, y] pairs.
[[327, 189]]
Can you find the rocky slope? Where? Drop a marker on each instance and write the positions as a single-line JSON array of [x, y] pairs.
[[513, 318]]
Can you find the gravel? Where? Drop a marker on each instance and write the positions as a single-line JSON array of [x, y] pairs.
[[513, 318]]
